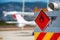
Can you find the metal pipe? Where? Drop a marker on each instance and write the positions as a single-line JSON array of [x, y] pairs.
[[53, 6]]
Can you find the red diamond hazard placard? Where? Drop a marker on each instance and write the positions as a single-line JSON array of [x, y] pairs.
[[42, 20]]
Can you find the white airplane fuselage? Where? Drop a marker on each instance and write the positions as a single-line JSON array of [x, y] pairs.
[[20, 20]]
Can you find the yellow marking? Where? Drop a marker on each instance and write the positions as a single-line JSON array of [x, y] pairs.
[[58, 38], [48, 36], [36, 35]]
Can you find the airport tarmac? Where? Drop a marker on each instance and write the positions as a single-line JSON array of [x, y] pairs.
[[16, 33], [16, 28]]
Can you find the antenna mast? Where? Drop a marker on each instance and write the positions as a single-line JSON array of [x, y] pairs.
[[23, 5]]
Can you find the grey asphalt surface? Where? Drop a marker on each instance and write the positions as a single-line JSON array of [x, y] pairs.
[[17, 35]]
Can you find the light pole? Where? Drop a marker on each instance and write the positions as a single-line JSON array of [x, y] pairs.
[[23, 6]]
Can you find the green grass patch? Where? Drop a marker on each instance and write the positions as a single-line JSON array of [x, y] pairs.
[[2, 23]]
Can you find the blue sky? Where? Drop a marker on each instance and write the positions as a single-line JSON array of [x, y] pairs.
[[1, 1]]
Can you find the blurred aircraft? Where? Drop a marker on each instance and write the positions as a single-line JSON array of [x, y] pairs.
[[19, 16]]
